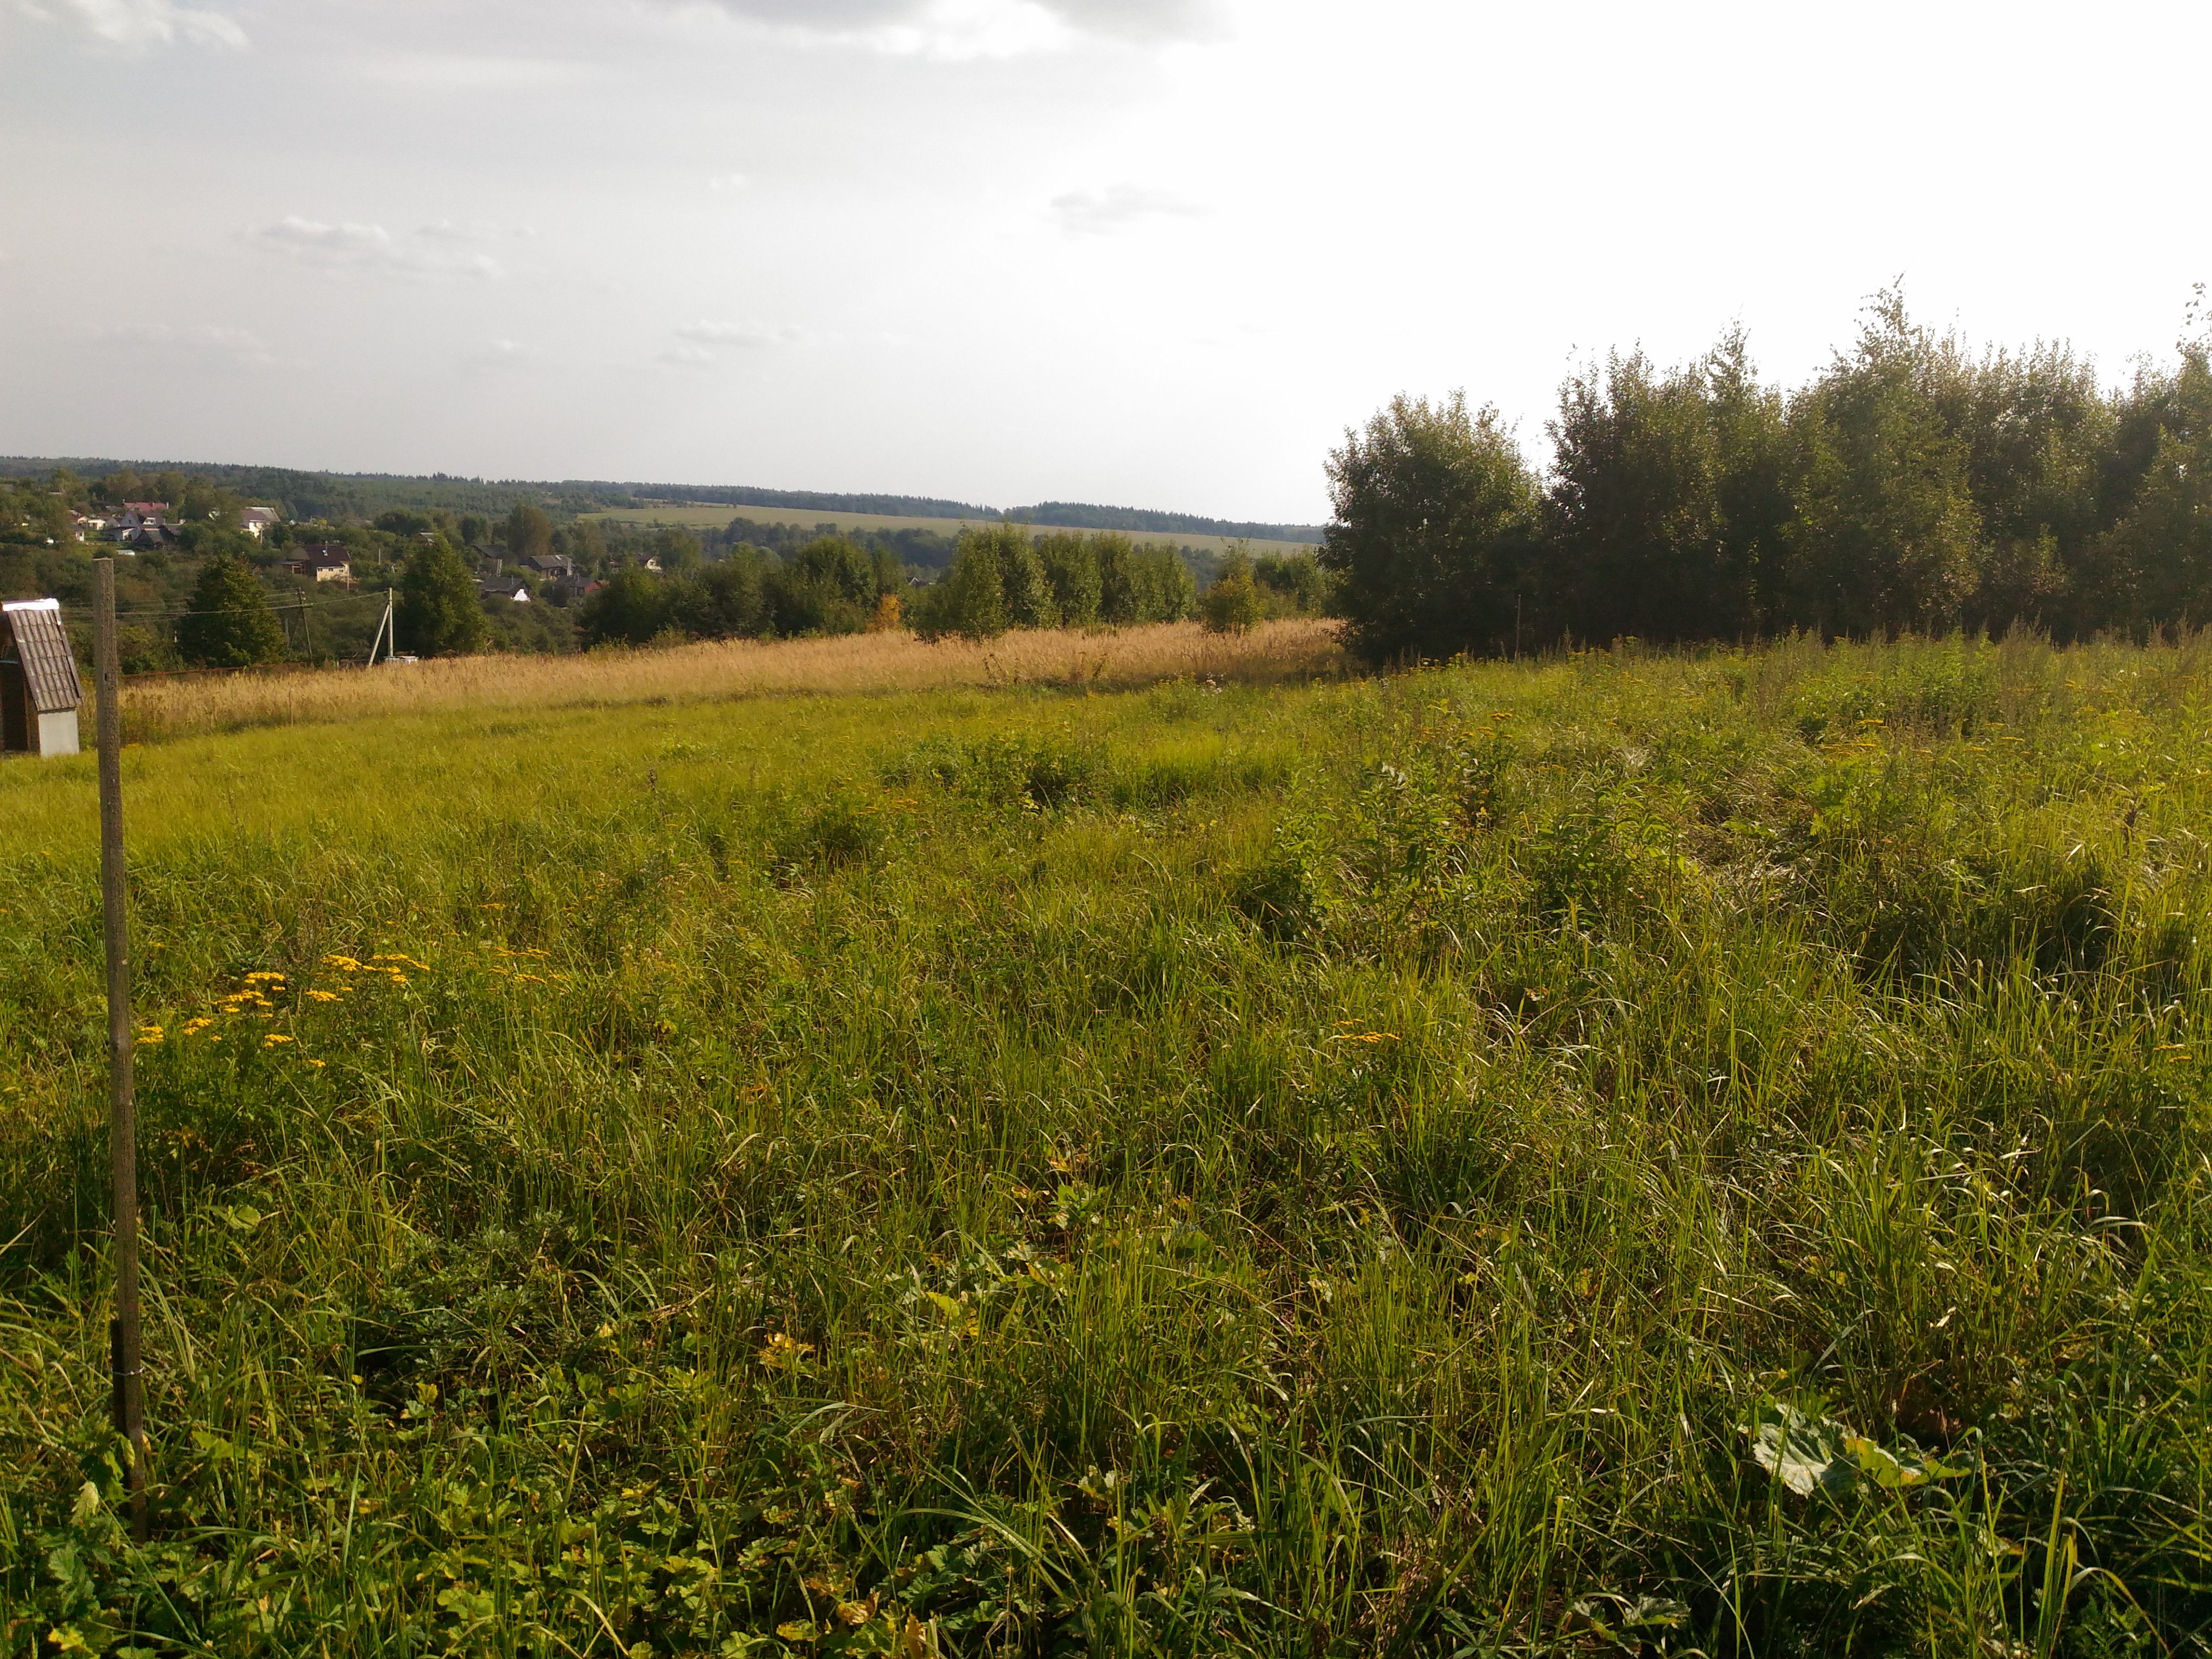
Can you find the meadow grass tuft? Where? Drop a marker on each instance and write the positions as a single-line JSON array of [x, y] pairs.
[[1629, 1153]]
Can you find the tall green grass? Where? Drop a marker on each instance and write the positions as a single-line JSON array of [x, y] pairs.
[[1632, 1153]]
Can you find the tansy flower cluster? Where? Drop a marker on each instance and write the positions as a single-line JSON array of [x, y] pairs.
[[260, 993], [520, 976], [391, 965]]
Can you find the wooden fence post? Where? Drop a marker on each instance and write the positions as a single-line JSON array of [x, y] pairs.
[[129, 1396]]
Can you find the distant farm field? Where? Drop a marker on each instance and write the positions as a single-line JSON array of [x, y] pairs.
[[714, 518], [1627, 1154]]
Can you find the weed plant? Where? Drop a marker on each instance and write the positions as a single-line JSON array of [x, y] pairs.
[[1623, 1154]]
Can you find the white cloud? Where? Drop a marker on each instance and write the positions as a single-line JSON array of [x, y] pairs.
[[1117, 207], [436, 250], [494, 356], [752, 336], [200, 346], [473, 230], [479, 72], [727, 181], [703, 344], [144, 22], [959, 29]]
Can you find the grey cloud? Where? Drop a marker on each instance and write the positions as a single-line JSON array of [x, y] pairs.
[[1117, 207], [438, 250], [142, 22]]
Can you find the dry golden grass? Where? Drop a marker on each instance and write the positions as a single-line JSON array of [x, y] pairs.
[[1277, 650]]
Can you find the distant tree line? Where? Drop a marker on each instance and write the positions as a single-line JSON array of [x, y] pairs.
[[1001, 576], [1913, 485]]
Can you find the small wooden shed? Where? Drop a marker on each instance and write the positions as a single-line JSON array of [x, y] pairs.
[[39, 689]]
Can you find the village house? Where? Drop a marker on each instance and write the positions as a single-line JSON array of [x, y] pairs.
[[142, 523], [255, 520], [326, 562], [553, 567], [511, 588]]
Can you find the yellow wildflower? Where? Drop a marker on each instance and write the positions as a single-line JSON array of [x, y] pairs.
[[199, 1023], [270, 1039], [782, 1354], [148, 1034], [324, 996]]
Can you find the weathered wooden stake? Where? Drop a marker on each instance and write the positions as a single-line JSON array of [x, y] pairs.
[[129, 1396]]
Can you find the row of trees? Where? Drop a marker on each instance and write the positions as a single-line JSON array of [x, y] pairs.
[[1004, 576], [1913, 485], [830, 586]]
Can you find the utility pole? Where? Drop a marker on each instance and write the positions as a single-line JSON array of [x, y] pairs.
[[123, 1349], [307, 628]]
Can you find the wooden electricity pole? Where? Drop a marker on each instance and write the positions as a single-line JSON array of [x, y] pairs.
[[129, 1396]]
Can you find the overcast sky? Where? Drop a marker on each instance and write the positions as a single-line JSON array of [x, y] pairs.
[[1151, 253]]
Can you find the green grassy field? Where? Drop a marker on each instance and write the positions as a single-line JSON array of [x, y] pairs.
[[714, 518], [1623, 1154]]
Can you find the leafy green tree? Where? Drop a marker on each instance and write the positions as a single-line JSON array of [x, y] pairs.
[[1137, 585], [1888, 533], [1665, 512], [829, 587], [230, 624], [997, 582], [1293, 583], [439, 612], [631, 607], [584, 542], [728, 599], [2036, 426], [528, 534], [2155, 562], [678, 549], [401, 522], [1231, 604], [1070, 566], [1434, 530]]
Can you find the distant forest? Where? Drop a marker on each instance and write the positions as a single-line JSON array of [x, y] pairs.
[[342, 497]]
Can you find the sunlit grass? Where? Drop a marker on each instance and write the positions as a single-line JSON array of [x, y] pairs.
[[1333, 1169], [1115, 658]]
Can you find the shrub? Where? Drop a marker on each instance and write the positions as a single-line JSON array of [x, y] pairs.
[[1433, 531], [1232, 605]]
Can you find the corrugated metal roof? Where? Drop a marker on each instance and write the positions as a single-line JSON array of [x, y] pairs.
[[43, 647]]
